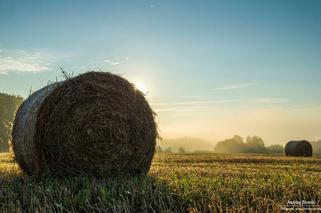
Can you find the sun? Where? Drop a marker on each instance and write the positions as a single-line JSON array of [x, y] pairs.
[[140, 86]]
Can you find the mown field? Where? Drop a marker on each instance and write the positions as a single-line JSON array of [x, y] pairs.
[[176, 183]]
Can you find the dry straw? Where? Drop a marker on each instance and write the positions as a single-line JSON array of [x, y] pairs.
[[298, 148], [95, 124]]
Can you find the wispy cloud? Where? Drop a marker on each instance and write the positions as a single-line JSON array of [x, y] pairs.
[[188, 103], [200, 108], [237, 86], [207, 105], [269, 101], [152, 5], [112, 63], [189, 106], [21, 61]]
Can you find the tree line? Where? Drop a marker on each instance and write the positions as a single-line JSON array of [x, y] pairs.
[[8, 107], [235, 144], [255, 144], [252, 144]]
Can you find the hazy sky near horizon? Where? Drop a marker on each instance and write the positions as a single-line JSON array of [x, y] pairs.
[[212, 69]]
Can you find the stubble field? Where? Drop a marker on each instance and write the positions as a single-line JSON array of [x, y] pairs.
[[175, 183]]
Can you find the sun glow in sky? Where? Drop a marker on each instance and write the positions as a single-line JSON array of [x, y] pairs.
[[140, 86], [210, 69]]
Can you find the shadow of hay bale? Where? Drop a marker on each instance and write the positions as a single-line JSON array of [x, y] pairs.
[[95, 124]]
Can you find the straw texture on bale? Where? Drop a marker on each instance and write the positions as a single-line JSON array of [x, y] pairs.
[[95, 124], [298, 148]]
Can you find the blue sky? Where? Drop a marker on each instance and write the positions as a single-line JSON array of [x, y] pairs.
[[197, 59]]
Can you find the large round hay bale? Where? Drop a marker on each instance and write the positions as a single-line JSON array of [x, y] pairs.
[[298, 148], [95, 124]]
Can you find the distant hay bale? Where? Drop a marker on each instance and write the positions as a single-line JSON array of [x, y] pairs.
[[95, 124], [298, 148]]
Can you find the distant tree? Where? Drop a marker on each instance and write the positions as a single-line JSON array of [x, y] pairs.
[[168, 150], [275, 149], [189, 144], [159, 149], [8, 107], [181, 150], [316, 146], [233, 145], [254, 144], [238, 138]]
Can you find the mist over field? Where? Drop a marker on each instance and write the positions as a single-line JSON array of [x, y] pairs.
[[235, 144]]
